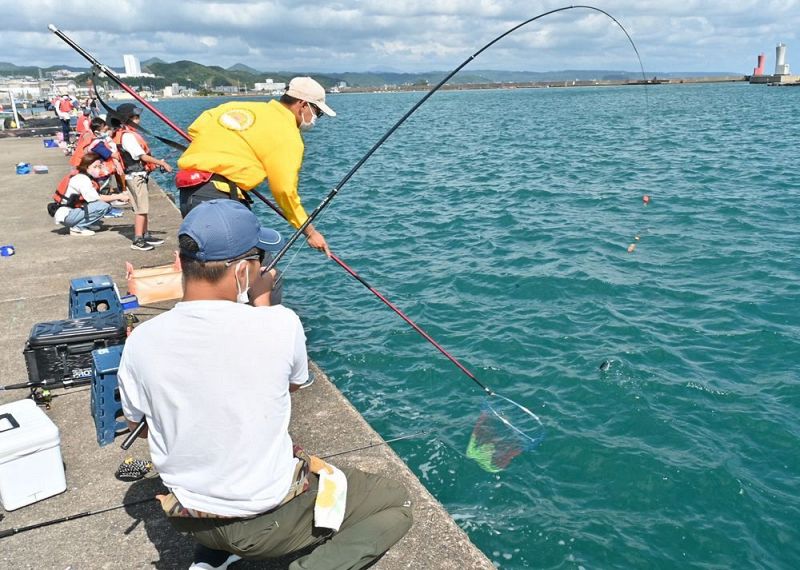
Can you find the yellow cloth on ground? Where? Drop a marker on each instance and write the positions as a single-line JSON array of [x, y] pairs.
[[248, 142], [329, 507]]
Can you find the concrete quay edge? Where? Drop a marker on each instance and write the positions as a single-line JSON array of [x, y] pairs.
[[34, 287]]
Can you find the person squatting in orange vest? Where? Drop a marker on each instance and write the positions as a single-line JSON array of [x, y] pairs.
[[77, 203]]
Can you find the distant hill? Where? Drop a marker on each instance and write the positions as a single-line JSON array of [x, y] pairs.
[[245, 68], [7, 68], [192, 74]]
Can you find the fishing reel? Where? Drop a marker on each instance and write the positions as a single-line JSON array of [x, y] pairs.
[[42, 396]]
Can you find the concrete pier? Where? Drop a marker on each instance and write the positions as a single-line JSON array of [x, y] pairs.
[[34, 287]]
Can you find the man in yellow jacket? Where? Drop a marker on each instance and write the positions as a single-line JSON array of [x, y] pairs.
[[238, 145]]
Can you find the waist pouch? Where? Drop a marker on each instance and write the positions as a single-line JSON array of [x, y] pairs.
[[189, 178], [173, 507]]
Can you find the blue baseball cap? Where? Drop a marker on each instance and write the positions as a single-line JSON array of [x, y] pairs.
[[225, 229]]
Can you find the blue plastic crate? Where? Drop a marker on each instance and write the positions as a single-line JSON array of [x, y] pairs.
[[105, 402], [93, 294]]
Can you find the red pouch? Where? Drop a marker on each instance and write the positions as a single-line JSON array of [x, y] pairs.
[[189, 178]]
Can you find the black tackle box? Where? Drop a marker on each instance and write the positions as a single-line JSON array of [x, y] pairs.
[[61, 351]]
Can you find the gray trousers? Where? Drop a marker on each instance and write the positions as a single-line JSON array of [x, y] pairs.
[[377, 515]]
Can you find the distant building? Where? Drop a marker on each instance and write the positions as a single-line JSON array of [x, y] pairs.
[[61, 74], [176, 90], [271, 86], [781, 67], [132, 66], [26, 88], [226, 89]]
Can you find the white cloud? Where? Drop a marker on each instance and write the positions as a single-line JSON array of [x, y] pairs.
[[413, 35]]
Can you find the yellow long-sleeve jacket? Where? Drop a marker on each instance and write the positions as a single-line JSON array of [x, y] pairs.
[[249, 142]]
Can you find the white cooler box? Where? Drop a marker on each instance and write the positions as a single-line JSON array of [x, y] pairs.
[[30, 456]]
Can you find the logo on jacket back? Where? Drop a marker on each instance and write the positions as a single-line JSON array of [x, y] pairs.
[[237, 119]]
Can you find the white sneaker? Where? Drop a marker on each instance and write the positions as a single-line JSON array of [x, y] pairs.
[[80, 232], [207, 565]]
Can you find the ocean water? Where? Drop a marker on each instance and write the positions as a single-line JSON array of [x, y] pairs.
[[500, 221]]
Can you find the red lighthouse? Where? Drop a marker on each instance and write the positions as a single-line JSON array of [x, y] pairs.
[[760, 69]]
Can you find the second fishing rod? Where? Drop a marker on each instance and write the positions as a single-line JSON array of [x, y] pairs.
[[277, 210]]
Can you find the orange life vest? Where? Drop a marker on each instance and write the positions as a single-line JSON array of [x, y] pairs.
[[65, 106], [81, 147], [74, 201], [83, 125], [86, 143], [128, 161]]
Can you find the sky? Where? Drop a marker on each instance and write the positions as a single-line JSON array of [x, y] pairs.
[[405, 35]]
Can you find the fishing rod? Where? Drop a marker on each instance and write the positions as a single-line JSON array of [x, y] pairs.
[[394, 308], [358, 165], [132, 436], [12, 531], [111, 112], [318, 210], [56, 384], [115, 78], [377, 444]]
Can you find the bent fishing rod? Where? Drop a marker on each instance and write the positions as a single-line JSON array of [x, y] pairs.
[[129, 440], [317, 211]]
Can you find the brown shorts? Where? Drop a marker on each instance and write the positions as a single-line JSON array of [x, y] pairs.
[[137, 188]]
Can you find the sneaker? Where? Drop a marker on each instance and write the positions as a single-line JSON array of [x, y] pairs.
[[118, 204], [140, 244], [74, 231], [152, 240], [94, 227], [207, 559]]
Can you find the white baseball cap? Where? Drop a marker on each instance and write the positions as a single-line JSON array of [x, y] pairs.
[[306, 89]]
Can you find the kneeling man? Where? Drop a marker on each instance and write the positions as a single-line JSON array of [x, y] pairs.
[[212, 378]]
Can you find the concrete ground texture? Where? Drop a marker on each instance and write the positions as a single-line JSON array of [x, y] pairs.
[[34, 287]]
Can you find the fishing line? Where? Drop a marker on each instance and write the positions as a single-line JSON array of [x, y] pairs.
[[112, 113], [318, 210]]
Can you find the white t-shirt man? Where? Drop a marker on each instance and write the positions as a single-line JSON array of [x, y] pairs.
[[212, 378], [78, 184]]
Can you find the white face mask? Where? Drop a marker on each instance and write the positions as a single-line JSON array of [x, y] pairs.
[[307, 126], [242, 293]]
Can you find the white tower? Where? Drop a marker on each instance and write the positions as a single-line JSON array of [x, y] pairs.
[[781, 67], [132, 66]]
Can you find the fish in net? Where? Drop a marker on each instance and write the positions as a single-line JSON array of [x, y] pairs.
[[503, 431]]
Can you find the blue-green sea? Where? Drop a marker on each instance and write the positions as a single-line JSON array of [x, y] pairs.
[[500, 221]]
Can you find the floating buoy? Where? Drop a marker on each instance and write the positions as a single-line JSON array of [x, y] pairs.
[[631, 248], [646, 199]]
